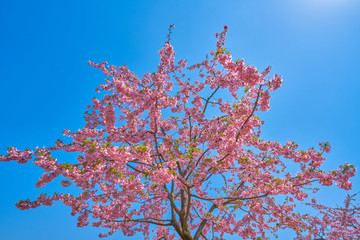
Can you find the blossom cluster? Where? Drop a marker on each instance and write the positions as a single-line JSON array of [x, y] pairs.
[[152, 154]]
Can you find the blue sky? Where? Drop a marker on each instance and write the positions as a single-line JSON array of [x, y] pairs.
[[46, 82]]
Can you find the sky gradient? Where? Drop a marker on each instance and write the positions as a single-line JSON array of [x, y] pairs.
[[46, 82]]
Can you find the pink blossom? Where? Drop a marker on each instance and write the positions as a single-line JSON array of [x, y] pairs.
[[178, 154]]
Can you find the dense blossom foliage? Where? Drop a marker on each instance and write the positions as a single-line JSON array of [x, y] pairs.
[[183, 157]]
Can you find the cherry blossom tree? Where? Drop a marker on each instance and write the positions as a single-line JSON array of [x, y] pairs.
[[175, 156]]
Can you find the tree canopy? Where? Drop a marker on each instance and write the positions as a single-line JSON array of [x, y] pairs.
[[179, 152]]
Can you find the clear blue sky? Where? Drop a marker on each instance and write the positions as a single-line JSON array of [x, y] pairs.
[[46, 82]]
